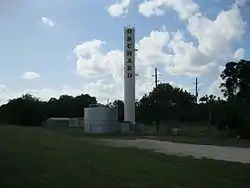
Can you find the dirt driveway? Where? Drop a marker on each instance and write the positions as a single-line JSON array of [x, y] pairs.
[[198, 151]]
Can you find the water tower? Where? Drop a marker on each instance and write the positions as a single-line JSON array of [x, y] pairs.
[[129, 74]]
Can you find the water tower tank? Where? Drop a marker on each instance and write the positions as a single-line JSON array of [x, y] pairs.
[[100, 119], [103, 114]]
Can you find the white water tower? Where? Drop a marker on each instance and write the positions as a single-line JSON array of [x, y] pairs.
[[129, 74]]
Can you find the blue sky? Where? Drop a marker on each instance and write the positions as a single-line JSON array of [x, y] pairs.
[[70, 47]]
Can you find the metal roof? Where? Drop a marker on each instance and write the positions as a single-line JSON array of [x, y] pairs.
[[59, 118]]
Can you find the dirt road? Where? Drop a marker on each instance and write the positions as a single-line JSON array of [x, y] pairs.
[[198, 151]]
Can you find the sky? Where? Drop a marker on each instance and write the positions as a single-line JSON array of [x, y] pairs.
[[49, 48]]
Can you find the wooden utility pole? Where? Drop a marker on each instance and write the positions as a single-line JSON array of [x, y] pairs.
[[196, 90], [156, 78], [156, 102]]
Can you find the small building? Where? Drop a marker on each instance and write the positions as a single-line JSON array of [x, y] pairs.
[[57, 123]]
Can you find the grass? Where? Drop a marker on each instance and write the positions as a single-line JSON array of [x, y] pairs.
[[233, 142], [31, 157], [189, 134], [200, 135]]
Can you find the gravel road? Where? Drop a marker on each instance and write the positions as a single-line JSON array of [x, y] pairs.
[[233, 154]]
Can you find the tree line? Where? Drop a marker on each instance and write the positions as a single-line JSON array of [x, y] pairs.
[[163, 103]]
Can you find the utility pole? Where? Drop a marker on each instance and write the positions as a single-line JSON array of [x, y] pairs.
[[156, 78], [196, 90], [156, 102]]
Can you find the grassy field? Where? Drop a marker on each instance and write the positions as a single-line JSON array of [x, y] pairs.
[[189, 134], [31, 157], [199, 134]]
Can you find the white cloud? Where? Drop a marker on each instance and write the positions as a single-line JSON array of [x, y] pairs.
[[120, 8], [30, 75], [214, 88], [215, 37], [104, 91], [239, 54], [92, 61], [151, 48], [186, 59], [90, 58], [184, 87], [149, 8], [112, 91], [3, 94], [47, 21], [47, 93], [185, 8]]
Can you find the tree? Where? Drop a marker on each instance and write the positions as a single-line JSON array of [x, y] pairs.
[[29, 110], [120, 105], [229, 75], [24, 110], [236, 79], [172, 103], [236, 87], [211, 107]]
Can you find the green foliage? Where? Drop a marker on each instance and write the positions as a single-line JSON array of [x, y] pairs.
[[166, 102], [236, 80], [120, 105], [236, 87], [28, 110]]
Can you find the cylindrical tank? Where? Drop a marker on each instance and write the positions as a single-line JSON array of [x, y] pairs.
[[101, 114]]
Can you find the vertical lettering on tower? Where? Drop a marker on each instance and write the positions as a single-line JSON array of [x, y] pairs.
[[129, 53]]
